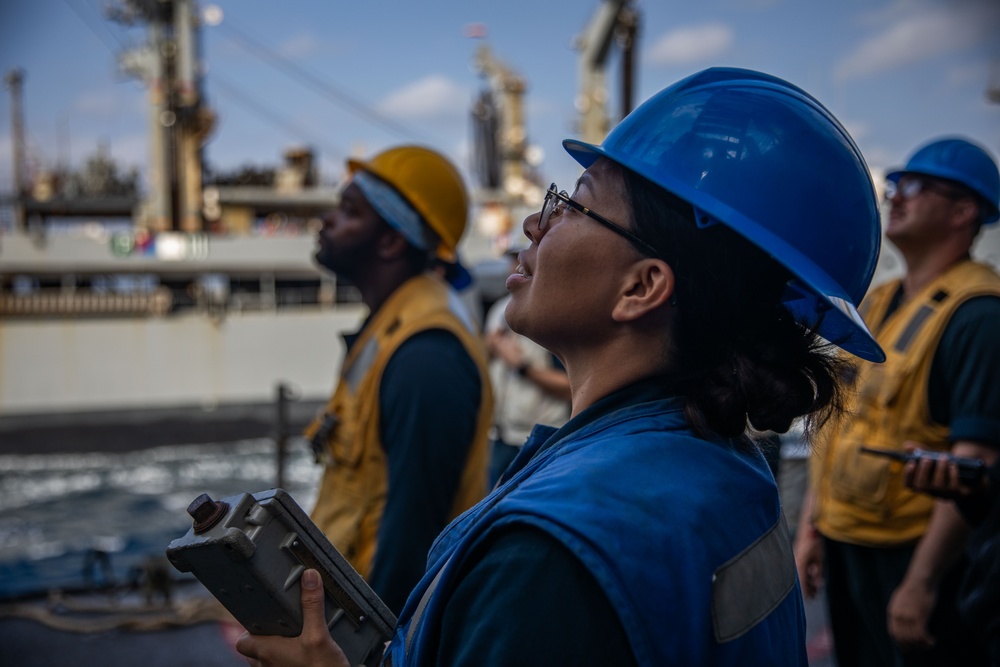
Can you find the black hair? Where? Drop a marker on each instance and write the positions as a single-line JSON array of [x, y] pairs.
[[741, 359], [419, 259]]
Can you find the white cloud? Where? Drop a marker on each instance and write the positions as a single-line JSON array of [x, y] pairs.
[[974, 74], [857, 129], [691, 44], [130, 150], [754, 5], [880, 160], [110, 102], [301, 45], [430, 97], [462, 152], [919, 37], [98, 103], [537, 107]]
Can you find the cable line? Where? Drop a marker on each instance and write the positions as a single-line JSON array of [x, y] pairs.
[[254, 105], [112, 47], [345, 100]]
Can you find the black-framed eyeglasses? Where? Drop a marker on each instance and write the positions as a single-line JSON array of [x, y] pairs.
[[911, 186], [556, 199]]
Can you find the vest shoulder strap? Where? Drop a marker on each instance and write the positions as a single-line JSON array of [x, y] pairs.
[[947, 292], [422, 605]]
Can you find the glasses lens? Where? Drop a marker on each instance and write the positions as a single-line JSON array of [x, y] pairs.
[[547, 205], [908, 188], [911, 188]]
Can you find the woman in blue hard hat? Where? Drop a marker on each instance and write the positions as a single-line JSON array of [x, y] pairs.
[[688, 286]]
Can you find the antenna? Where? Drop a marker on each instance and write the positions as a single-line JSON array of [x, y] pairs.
[[993, 83], [15, 79]]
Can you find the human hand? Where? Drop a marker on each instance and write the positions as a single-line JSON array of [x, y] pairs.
[[908, 613], [507, 349], [312, 648], [493, 337], [936, 476], [809, 561]]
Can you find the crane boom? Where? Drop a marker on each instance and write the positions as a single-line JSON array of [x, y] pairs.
[[614, 19]]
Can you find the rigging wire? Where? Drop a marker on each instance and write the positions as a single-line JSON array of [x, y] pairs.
[[101, 36], [86, 21], [343, 99], [111, 21], [227, 88], [283, 64], [261, 110]]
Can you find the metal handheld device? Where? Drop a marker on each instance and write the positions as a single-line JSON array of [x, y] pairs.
[[970, 471], [250, 552]]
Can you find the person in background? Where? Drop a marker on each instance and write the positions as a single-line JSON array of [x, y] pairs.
[[891, 557], [979, 503], [690, 299], [529, 383], [463, 283], [405, 434], [793, 472]]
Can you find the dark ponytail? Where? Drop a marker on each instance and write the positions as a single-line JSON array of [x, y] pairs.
[[743, 362]]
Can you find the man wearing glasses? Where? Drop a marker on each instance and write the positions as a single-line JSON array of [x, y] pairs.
[[891, 557]]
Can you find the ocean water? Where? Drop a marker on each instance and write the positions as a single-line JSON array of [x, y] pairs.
[[56, 510]]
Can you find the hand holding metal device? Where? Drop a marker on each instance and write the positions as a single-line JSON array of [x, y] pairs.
[[970, 471], [250, 552]]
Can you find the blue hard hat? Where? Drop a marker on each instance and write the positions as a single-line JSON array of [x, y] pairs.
[[762, 157], [961, 161]]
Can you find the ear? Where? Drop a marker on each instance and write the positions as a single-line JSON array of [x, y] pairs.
[[649, 286], [966, 213], [391, 244]]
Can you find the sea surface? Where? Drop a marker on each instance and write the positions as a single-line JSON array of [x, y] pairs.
[[55, 510], [59, 512]]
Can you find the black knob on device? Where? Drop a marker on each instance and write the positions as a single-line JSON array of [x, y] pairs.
[[206, 512]]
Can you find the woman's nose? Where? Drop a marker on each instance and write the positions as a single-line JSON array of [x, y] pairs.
[[530, 227]]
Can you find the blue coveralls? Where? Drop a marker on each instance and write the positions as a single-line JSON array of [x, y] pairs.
[[684, 536]]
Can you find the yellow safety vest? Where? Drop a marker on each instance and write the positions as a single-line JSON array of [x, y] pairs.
[[353, 491], [861, 499]]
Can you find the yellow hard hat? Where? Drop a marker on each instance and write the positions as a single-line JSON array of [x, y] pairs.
[[431, 184]]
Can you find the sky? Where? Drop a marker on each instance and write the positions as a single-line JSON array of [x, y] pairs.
[[352, 78]]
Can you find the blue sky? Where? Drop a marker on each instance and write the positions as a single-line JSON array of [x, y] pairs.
[[895, 72]]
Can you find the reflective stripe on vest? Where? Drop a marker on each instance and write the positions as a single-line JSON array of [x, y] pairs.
[[752, 584], [917, 321], [358, 369]]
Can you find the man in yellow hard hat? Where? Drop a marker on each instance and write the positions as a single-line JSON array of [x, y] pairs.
[[405, 433]]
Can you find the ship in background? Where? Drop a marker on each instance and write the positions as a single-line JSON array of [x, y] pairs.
[[191, 299], [199, 303]]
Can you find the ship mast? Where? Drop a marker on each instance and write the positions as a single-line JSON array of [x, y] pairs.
[[993, 85], [179, 121], [614, 21], [15, 79]]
